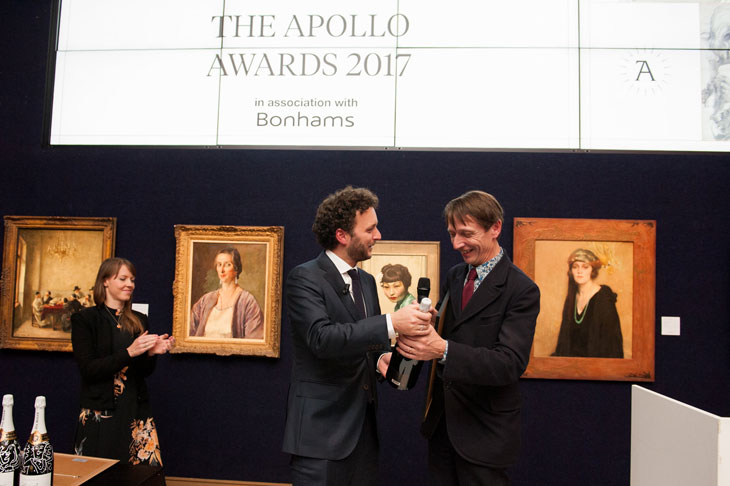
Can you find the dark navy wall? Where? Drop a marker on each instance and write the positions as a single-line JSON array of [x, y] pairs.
[[222, 417]]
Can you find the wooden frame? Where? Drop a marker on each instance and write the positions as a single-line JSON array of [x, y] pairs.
[[196, 283], [49, 254], [627, 254], [421, 258]]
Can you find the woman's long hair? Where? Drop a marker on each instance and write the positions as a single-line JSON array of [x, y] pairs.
[[109, 268], [579, 255]]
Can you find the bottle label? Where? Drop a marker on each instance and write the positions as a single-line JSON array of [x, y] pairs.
[[37, 460], [42, 480], [6, 478], [9, 456]]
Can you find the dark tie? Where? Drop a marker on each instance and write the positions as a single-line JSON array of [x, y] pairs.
[[468, 287], [357, 292]]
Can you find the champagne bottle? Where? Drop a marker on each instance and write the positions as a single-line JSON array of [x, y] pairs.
[[37, 469], [402, 372], [9, 447]]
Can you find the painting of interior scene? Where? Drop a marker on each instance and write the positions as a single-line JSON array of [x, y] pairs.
[[55, 273], [586, 299]]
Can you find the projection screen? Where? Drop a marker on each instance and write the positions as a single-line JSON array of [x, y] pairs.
[[392, 74]]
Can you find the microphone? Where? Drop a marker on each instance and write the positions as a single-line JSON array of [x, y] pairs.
[[424, 288], [346, 290]]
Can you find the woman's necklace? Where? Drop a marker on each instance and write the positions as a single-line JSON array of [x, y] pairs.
[[119, 326], [575, 312], [221, 298], [585, 309]]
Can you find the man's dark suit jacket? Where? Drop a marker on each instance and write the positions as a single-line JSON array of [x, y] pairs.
[[477, 389], [333, 376]]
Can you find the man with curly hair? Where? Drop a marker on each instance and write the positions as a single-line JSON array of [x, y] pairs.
[[339, 334]]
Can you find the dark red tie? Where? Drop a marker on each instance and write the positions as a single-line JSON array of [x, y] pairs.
[[468, 287]]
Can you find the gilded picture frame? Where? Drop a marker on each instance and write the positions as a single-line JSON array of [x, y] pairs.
[[420, 258], [49, 267], [583, 343], [215, 315]]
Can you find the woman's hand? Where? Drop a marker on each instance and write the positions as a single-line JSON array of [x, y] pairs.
[[151, 344], [142, 344], [163, 344]]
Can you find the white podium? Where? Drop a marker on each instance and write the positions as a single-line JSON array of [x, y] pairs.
[[674, 444]]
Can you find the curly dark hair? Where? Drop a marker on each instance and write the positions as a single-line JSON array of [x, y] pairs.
[[338, 210]]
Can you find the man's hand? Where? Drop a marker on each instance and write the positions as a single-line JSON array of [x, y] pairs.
[[424, 347], [409, 321], [384, 362]]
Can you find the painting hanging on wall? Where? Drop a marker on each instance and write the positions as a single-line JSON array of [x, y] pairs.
[[227, 290], [49, 269], [397, 267], [597, 280]]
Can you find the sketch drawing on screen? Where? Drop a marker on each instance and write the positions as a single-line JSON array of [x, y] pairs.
[[716, 73], [590, 325], [229, 311]]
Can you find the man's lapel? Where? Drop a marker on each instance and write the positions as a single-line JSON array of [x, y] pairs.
[[369, 293], [333, 277], [489, 290]]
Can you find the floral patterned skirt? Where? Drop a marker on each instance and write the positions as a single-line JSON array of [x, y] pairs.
[[127, 433]]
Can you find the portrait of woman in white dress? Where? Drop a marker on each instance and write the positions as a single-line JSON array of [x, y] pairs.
[[229, 311]]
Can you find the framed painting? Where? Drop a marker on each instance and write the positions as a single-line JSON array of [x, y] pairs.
[[398, 265], [227, 290], [49, 268], [597, 282]]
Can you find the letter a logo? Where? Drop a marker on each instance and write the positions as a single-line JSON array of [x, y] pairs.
[[644, 69]]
